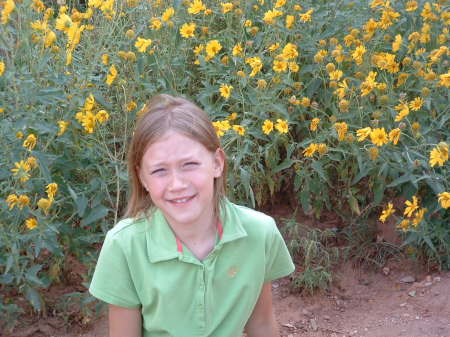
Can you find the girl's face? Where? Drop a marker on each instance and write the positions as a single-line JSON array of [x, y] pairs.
[[178, 173]]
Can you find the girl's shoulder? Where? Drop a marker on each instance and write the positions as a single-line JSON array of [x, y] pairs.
[[128, 227], [250, 219]]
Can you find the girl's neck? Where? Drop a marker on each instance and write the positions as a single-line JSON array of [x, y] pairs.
[[199, 238]]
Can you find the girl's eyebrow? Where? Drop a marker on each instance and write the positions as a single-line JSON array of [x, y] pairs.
[[163, 162]]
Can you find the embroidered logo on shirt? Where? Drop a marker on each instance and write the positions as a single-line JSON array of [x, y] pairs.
[[233, 271]]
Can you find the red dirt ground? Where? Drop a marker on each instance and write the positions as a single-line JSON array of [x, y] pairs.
[[360, 304]]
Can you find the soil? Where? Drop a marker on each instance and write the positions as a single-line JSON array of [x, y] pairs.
[[399, 300]]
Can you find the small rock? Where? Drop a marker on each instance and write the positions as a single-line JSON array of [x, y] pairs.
[[326, 317], [403, 304], [437, 279], [412, 293], [407, 279], [275, 285], [386, 271], [427, 284], [307, 313], [289, 325], [313, 323], [417, 317]]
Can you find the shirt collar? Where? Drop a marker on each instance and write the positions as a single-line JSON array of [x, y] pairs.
[[162, 245]]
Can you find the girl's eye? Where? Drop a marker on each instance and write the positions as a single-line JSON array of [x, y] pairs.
[[157, 171], [191, 164]]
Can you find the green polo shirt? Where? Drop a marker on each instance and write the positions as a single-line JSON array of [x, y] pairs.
[[179, 296]]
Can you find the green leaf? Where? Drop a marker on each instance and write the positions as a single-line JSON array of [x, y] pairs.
[[317, 166], [408, 177], [353, 202], [34, 298], [284, 165], [95, 214], [31, 275], [80, 201]]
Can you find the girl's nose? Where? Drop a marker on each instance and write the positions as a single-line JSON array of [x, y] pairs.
[[177, 181]]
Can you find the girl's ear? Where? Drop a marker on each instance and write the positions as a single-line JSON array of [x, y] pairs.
[[219, 162], [139, 172]]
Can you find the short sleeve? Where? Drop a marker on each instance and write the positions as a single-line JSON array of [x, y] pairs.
[[278, 260], [112, 281]]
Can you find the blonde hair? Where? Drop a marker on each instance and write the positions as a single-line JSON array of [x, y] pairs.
[[161, 114]]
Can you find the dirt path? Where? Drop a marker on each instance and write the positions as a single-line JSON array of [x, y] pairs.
[[362, 304]]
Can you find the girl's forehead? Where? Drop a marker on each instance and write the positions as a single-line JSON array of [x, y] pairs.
[[173, 143]]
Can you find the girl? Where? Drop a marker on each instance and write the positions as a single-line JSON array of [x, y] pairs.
[[185, 261]]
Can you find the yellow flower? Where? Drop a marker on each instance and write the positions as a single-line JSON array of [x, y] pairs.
[[105, 59], [32, 162], [88, 121], [30, 142], [310, 150], [341, 129], [397, 43], [280, 66], [112, 75], [343, 105], [280, 3], [439, 155], [261, 84], [363, 133], [131, 106], [373, 153], [314, 124], [129, 33], [404, 225], [227, 7], [213, 47], [387, 212], [336, 75], [50, 38], [306, 17], [271, 15], [239, 129], [322, 148], [403, 111], [290, 19], [255, 63], [358, 54], [89, 103], [196, 7], [8, 8], [378, 137], [225, 90], [168, 13], [198, 49], [416, 104], [237, 50], [274, 46], [31, 223], [289, 51], [419, 216], [187, 30], [294, 67], [282, 126], [305, 101], [142, 44], [267, 126], [155, 24], [320, 55], [445, 80], [248, 23], [19, 135], [62, 127], [394, 136], [444, 199], [102, 116], [51, 190], [12, 201], [44, 204], [241, 74], [412, 206], [63, 23], [411, 6]]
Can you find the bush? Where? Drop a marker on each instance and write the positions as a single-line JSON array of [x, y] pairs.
[[345, 118]]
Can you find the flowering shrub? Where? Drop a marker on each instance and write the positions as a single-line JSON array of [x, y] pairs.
[[343, 118]]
